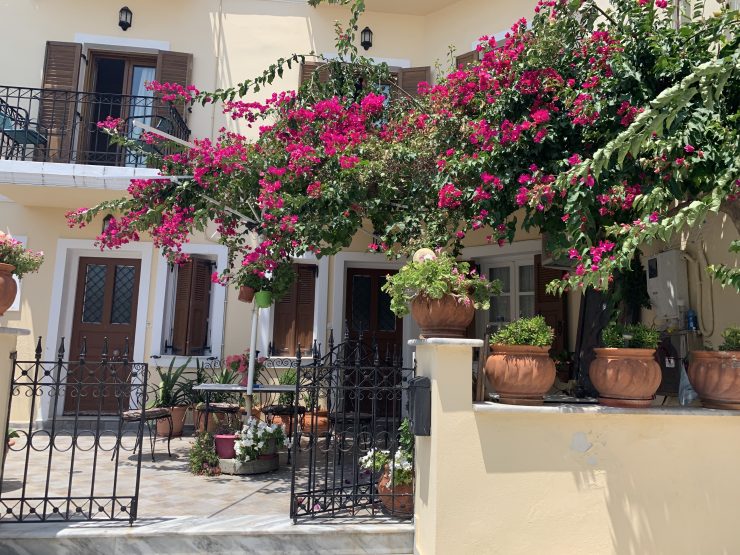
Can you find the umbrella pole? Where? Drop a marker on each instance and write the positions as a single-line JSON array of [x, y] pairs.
[[252, 357]]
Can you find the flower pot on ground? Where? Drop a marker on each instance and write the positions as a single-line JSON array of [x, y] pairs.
[[246, 294], [170, 394], [715, 375], [625, 372], [259, 441], [519, 368], [15, 260], [397, 500], [316, 421], [224, 445], [440, 293], [199, 421]]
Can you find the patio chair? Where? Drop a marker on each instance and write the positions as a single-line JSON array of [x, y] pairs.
[[17, 129]]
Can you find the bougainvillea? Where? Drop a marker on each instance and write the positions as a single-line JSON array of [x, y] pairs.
[[600, 127]]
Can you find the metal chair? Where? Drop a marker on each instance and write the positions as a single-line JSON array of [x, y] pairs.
[[16, 127]]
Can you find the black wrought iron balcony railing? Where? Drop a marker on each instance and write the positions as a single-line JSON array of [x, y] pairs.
[[49, 125]]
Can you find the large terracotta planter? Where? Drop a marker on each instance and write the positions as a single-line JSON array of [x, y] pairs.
[[8, 287], [445, 317], [715, 375], [199, 420], [178, 422], [224, 445], [520, 374], [396, 500], [319, 419], [625, 378], [246, 294]]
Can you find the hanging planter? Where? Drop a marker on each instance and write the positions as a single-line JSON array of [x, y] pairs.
[[246, 294], [263, 299], [8, 287]]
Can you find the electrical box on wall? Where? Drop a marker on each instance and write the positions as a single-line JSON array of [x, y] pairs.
[[668, 287]]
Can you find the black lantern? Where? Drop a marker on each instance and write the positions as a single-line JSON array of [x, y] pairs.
[[366, 38], [124, 18]]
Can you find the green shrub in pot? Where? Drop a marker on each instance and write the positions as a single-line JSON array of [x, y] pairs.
[[525, 331]]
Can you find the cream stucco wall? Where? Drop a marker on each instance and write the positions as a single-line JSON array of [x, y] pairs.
[[576, 481]]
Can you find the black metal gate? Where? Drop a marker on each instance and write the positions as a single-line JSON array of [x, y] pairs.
[[65, 463], [355, 401]]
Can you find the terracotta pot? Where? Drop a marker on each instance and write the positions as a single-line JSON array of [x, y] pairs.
[[200, 422], [319, 419], [715, 375], [445, 317], [224, 444], [8, 287], [397, 500], [520, 374], [246, 294], [625, 377], [163, 427]]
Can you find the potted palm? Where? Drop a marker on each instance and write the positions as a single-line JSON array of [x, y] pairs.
[[440, 293], [715, 375], [519, 368], [625, 372], [395, 470], [170, 395], [15, 260]]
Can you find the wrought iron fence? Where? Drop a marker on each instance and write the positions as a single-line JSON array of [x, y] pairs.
[[49, 125], [82, 462], [355, 402]]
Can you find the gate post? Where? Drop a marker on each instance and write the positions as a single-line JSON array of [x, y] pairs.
[[448, 363]]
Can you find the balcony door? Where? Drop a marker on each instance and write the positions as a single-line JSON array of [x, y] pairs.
[[117, 89]]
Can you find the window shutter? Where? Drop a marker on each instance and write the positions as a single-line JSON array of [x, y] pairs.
[[409, 78], [182, 308], [200, 303], [57, 107], [306, 285], [174, 67], [552, 307], [466, 59], [293, 323], [308, 69]]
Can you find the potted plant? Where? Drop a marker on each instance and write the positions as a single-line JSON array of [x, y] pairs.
[[270, 285], [225, 376], [396, 474], [441, 293], [519, 368], [625, 372], [256, 448], [15, 260], [170, 395], [202, 458], [224, 439], [10, 442], [715, 375], [316, 419]]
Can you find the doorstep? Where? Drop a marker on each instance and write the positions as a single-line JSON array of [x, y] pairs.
[[244, 534]]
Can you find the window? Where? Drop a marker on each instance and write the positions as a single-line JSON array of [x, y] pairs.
[[294, 314], [407, 79], [188, 307], [517, 291]]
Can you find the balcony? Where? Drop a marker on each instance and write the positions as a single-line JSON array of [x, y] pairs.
[[49, 125]]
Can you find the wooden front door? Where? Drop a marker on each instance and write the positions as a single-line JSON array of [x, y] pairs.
[[105, 307], [368, 312]]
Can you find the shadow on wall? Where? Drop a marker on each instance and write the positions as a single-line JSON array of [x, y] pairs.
[[653, 484]]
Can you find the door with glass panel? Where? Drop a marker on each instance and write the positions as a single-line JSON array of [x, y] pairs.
[[106, 298]]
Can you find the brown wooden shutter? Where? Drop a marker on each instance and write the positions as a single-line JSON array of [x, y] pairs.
[[200, 304], [293, 322], [174, 67], [58, 107], [466, 59], [306, 284], [552, 307], [182, 308], [409, 78], [308, 69]]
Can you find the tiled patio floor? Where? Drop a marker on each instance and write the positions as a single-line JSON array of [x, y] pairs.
[[167, 488]]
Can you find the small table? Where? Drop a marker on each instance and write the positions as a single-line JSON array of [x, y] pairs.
[[209, 388]]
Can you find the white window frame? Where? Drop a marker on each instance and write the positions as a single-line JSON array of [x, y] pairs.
[[514, 293], [164, 307]]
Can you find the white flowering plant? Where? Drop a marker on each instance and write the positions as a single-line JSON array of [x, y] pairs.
[[256, 437], [399, 464]]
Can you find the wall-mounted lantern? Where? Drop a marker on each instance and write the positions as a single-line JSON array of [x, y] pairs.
[[366, 38], [124, 18]]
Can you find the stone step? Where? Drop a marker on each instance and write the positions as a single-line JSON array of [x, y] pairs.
[[185, 535]]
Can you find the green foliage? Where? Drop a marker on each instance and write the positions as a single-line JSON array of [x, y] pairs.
[[399, 463], [170, 391], [189, 395], [436, 277], [731, 338], [525, 331], [14, 253], [202, 458], [724, 274], [289, 377], [638, 336], [12, 434]]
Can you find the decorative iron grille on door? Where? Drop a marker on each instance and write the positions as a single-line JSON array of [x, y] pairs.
[[73, 465], [356, 399]]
